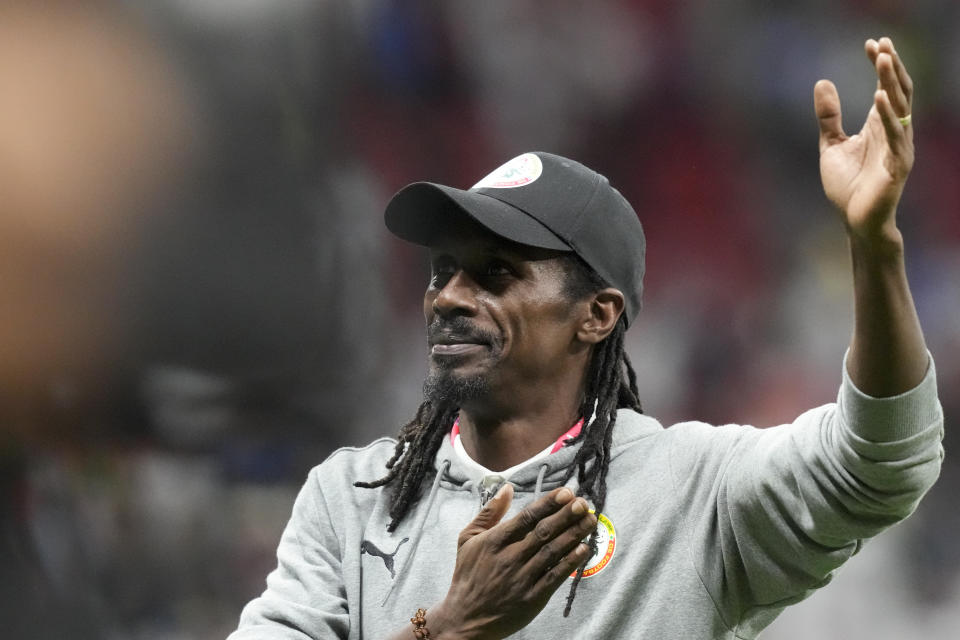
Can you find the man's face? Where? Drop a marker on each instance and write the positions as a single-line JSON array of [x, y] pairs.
[[497, 317]]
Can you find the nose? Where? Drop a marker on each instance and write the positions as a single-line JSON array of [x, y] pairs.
[[457, 296]]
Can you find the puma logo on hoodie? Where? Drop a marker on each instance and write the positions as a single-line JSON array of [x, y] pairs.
[[368, 547]]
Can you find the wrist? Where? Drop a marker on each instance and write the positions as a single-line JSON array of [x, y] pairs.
[[880, 245], [444, 624], [440, 624]]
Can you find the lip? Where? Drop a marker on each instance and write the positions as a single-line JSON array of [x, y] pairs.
[[455, 348]]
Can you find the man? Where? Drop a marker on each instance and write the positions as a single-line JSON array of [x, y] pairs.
[[688, 532]]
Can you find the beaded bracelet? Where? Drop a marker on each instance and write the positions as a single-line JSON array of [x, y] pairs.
[[420, 624]]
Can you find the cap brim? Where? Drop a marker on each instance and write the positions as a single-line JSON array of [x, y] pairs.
[[425, 213]]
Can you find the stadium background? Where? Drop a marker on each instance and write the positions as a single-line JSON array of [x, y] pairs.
[[200, 301]]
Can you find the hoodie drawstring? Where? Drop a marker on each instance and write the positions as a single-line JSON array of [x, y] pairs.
[[539, 488], [418, 534]]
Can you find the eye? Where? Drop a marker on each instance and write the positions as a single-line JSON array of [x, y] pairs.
[[497, 269], [440, 272]]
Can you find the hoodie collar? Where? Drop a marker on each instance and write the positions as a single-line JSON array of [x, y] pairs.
[[468, 474], [630, 427]]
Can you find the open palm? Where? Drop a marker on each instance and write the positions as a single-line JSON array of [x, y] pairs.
[[864, 174]]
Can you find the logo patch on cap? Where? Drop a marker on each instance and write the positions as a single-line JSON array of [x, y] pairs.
[[518, 172]]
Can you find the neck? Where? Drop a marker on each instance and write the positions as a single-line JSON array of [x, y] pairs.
[[499, 440]]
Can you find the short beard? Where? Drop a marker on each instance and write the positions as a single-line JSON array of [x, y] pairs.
[[443, 387]]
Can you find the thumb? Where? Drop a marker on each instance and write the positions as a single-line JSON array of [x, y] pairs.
[[826, 104], [490, 515]]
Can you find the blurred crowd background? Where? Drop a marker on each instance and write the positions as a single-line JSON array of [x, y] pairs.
[[198, 299]]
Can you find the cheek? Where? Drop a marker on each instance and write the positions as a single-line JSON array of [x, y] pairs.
[[544, 334]]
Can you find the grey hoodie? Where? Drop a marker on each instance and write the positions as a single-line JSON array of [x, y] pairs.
[[708, 532]]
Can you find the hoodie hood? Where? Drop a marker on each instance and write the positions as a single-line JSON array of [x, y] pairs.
[[547, 472]]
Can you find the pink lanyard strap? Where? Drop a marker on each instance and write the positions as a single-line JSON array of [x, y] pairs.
[[571, 433]]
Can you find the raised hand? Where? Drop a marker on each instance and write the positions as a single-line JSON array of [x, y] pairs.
[[506, 572], [864, 174]]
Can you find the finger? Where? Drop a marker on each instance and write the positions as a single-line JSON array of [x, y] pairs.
[[872, 47], [896, 135], [524, 522], [545, 533], [826, 104], [489, 516], [555, 575], [890, 84], [544, 554], [906, 82]]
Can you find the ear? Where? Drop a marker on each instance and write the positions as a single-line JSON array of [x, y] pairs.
[[605, 308]]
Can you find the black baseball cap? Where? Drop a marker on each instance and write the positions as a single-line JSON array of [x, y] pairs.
[[541, 200]]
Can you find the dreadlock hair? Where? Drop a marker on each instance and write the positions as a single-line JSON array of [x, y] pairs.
[[611, 383], [606, 390]]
